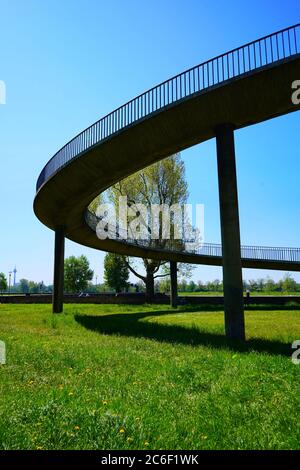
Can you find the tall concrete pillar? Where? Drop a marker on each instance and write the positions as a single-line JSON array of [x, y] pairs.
[[173, 275], [58, 281], [230, 231]]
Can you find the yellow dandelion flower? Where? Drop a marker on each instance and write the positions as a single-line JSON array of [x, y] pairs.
[[203, 437], [146, 443], [77, 428], [121, 430], [129, 439], [31, 382]]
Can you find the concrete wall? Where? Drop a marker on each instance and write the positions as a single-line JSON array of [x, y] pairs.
[[106, 298], [139, 299]]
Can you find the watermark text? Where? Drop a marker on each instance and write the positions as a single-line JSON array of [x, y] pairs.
[[296, 353], [296, 94], [2, 353]]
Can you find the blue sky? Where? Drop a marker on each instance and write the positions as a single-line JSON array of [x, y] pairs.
[[68, 63]]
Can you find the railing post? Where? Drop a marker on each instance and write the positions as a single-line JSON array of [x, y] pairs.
[[58, 282], [230, 231]]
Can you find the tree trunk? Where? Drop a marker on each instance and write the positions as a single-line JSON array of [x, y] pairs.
[[149, 286]]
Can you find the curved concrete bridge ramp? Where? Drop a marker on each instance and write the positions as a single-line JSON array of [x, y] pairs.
[[240, 88]]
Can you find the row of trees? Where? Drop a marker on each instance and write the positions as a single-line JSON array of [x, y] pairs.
[[78, 277], [286, 284], [116, 274], [24, 286]]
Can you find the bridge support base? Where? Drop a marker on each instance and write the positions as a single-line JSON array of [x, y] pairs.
[[230, 231], [58, 282], [173, 275]]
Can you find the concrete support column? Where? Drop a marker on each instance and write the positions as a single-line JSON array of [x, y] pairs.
[[58, 281], [173, 275], [230, 231]]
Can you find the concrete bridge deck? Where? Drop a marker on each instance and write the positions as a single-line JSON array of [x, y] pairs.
[[243, 87]]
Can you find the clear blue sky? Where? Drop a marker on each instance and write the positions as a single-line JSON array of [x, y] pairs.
[[68, 63]]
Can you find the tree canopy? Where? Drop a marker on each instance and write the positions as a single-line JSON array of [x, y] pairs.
[[161, 183], [116, 271], [77, 274], [3, 282]]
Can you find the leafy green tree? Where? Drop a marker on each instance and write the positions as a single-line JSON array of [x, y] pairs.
[[252, 285], [116, 271], [216, 285], [161, 183], [34, 287], [182, 285], [191, 286], [269, 285], [201, 287], [288, 283], [24, 286], [77, 274], [165, 285], [3, 283]]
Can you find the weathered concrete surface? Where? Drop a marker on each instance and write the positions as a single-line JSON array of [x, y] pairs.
[[58, 281], [230, 232]]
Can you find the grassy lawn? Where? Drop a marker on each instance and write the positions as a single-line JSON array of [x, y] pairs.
[[119, 377]]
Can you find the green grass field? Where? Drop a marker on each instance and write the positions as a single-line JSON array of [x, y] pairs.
[[121, 377]]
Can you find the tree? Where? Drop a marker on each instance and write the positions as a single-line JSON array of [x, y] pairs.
[[161, 183], [116, 271], [288, 283], [165, 285], [201, 287], [24, 286], [34, 287], [3, 283], [77, 274], [182, 285], [269, 285], [191, 286]]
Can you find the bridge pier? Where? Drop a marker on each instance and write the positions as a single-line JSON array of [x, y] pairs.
[[58, 281], [230, 232], [173, 275]]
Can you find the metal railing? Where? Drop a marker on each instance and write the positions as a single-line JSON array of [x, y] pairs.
[[252, 56], [206, 249]]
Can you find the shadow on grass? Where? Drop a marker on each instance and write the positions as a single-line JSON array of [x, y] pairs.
[[130, 325]]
